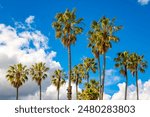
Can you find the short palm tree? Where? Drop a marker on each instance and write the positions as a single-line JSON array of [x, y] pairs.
[[91, 91], [122, 62], [77, 75], [38, 72], [17, 75], [137, 63], [58, 79], [67, 27], [89, 65]]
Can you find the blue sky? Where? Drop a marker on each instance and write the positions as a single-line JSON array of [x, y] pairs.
[[134, 17]]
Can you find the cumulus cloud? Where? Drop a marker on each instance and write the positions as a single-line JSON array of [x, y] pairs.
[[51, 93], [27, 47], [144, 91], [143, 2]]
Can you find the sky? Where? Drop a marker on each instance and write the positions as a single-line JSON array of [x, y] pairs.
[[27, 36]]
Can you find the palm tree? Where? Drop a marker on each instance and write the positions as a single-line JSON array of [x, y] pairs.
[[137, 63], [17, 75], [91, 91], [105, 35], [93, 36], [122, 62], [38, 73], [89, 65], [77, 75], [58, 79], [67, 28]]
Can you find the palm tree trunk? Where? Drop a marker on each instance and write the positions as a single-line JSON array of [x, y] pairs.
[[40, 87], [58, 95], [99, 73], [77, 88], [69, 95], [103, 80], [137, 86], [126, 87], [17, 90], [58, 89]]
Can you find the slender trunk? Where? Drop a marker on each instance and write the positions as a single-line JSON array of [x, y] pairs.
[[17, 90], [58, 89], [77, 87], [40, 87], [69, 95], [58, 95], [88, 80], [126, 87], [103, 80], [99, 73], [137, 86]]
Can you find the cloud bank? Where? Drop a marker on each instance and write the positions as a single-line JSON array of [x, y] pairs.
[[27, 47]]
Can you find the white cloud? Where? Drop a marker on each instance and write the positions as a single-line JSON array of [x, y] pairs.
[[26, 47], [143, 2], [30, 20], [144, 91], [51, 93]]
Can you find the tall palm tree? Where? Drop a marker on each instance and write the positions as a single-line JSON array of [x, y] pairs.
[[122, 62], [17, 75], [89, 65], [38, 72], [77, 75], [91, 91], [58, 79], [93, 36], [67, 27], [105, 36], [137, 63]]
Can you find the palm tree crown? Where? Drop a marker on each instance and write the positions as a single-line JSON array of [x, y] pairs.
[[58, 79], [89, 65], [38, 72], [17, 75]]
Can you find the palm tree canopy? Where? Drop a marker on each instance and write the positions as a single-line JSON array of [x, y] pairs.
[[101, 35], [78, 71], [67, 26], [91, 91], [38, 72], [90, 64], [122, 62], [137, 62], [58, 79], [17, 75]]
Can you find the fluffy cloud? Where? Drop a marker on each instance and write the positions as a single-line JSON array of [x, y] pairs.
[[51, 93], [27, 47], [144, 91], [143, 2]]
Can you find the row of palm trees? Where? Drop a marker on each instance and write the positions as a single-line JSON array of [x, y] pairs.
[[17, 75], [100, 37]]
